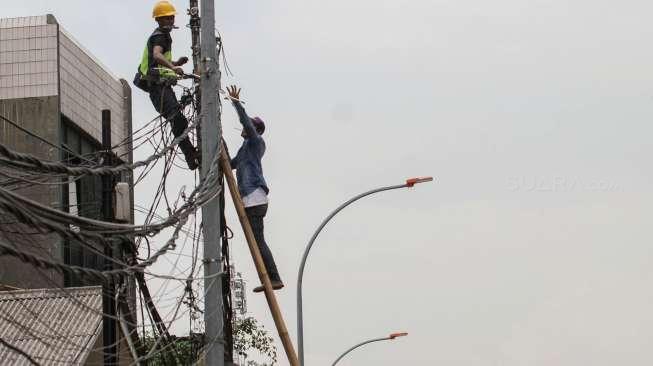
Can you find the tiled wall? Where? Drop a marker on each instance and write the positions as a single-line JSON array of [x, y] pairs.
[[87, 88], [38, 115], [43, 71], [39, 58], [28, 58]]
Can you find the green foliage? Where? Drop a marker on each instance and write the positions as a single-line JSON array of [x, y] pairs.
[[249, 335], [184, 351]]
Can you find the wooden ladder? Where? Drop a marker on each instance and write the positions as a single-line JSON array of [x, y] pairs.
[[225, 164]]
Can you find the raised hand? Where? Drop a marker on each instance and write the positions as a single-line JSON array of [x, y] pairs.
[[234, 92]]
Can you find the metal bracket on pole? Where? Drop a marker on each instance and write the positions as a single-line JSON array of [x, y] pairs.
[[207, 71]]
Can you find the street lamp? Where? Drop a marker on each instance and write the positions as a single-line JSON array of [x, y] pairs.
[[390, 337], [300, 317]]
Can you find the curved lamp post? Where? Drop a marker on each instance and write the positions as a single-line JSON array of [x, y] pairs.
[[300, 318], [390, 337]]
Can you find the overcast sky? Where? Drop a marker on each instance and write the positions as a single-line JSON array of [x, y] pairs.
[[533, 247]]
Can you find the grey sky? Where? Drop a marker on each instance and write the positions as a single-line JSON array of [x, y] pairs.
[[534, 245]]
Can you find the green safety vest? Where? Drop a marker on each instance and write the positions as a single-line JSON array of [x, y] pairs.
[[149, 68]]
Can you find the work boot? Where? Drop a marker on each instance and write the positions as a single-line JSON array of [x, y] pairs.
[[276, 285]]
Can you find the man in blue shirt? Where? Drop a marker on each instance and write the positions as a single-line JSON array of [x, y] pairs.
[[251, 183]]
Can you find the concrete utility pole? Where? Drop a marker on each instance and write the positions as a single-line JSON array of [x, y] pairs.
[[211, 137]]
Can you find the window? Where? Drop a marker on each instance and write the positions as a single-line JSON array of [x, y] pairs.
[[82, 198]]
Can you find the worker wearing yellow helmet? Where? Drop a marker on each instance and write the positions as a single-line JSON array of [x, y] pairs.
[[157, 73]]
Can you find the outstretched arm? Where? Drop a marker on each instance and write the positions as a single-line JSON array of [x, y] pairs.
[[157, 54], [182, 61], [234, 94]]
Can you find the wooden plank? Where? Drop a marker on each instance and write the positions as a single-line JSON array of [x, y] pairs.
[[258, 260]]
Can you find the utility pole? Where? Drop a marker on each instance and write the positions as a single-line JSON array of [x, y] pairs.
[[108, 288], [195, 25], [211, 137]]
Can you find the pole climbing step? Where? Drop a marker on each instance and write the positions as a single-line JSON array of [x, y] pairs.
[[225, 165]]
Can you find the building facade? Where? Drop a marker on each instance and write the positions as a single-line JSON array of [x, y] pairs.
[[52, 94]]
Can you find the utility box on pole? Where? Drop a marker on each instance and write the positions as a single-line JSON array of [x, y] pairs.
[[122, 205]]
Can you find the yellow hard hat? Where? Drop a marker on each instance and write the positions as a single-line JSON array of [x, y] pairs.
[[163, 8]]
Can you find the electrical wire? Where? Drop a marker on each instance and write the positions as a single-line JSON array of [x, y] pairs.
[[24, 170]]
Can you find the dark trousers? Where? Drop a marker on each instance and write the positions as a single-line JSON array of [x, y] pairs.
[[165, 102], [255, 214]]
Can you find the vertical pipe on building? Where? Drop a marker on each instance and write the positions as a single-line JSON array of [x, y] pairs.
[[108, 301], [211, 136]]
